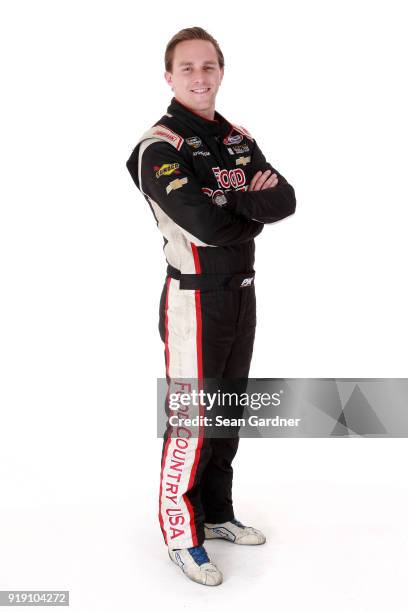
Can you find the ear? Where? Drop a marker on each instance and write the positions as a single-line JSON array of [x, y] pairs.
[[222, 75], [169, 78]]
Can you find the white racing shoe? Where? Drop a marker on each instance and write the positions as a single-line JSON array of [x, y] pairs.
[[235, 532], [196, 565]]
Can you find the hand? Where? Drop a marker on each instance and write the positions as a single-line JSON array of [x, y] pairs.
[[262, 180]]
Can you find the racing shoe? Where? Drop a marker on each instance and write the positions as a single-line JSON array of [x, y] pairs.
[[235, 532], [196, 565]]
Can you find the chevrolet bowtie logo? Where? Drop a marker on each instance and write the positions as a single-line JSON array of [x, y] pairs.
[[176, 184], [242, 161]]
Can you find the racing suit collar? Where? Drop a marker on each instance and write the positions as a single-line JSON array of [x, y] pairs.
[[217, 126]]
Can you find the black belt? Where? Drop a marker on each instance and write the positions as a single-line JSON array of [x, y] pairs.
[[212, 280]]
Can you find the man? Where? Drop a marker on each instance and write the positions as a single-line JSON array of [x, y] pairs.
[[211, 191]]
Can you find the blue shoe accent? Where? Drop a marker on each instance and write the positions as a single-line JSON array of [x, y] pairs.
[[179, 560], [223, 532], [199, 554]]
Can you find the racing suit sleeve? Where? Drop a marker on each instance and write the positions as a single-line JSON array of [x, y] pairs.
[[168, 181], [266, 205]]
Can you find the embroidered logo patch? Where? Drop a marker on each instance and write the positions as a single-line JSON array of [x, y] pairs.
[[240, 149], [231, 140], [220, 200], [234, 178], [194, 142], [243, 131], [203, 153], [166, 169], [163, 132], [242, 161], [176, 184]]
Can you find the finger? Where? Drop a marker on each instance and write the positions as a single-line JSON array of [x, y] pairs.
[[261, 180], [269, 185], [271, 178], [264, 178], [271, 182], [254, 179]]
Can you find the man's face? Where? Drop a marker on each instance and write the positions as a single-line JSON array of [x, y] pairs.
[[196, 75]]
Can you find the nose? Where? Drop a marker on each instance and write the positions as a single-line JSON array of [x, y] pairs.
[[198, 76]]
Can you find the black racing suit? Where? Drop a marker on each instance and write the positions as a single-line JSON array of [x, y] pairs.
[[195, 173]]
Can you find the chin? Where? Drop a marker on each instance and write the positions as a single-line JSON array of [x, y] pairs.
[[205, 103], [202, 104]]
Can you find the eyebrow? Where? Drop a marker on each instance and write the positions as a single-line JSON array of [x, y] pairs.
[[191, 63]]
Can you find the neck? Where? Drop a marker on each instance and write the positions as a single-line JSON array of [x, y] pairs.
[[207, 113]]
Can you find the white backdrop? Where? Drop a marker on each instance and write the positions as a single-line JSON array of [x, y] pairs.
[[322, 87]]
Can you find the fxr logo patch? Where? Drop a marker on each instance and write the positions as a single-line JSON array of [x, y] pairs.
[[247, 282]]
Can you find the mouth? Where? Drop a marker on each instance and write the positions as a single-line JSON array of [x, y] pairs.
[[200, 91]]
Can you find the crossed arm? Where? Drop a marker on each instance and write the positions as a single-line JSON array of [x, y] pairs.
[[269, 198], [169, 183], [179, 195]]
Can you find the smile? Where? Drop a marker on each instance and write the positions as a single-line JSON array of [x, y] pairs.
[[201, 91]]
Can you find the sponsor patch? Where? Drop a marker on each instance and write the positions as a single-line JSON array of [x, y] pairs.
[[242, 161], [226, 179], [242, 131], [176, 184], [166, 169], [247, 282], [217, 195], [220, 200], [233, 139], [163, 132], [204, 153], [194, 142], [240, 149]]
